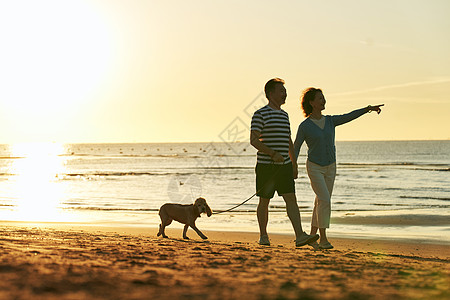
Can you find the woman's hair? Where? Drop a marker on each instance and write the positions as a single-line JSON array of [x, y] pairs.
[[308, 96]]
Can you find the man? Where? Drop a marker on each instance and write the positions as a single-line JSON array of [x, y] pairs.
[[271, 136]]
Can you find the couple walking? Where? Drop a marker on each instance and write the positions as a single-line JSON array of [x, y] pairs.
[[277, 155]]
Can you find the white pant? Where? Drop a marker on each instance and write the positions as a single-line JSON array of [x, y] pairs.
[[322, 181]]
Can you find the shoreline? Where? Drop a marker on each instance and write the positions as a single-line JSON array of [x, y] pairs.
[[67, 261], [365, 243], [392, 235]]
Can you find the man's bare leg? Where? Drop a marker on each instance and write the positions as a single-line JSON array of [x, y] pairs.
[[262, 213]]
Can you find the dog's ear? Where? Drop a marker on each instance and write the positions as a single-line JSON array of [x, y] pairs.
[[208, 210]]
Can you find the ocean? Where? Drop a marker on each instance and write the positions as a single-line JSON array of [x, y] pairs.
[[383, 189]]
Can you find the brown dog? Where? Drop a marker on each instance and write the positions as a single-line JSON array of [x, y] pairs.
[[185, 214]]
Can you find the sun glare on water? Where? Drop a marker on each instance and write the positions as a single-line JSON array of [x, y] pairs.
[[35, 186]]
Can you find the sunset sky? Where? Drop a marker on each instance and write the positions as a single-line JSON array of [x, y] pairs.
[[185, 71]]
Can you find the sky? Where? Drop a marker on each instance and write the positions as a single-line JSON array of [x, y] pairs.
[[102, 71]]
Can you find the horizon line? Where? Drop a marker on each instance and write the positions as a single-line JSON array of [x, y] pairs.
[[216, 142]]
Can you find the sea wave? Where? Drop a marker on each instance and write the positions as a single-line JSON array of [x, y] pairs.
[[111, 208], [121, 155], [167, 172], [418, 166], [426, 198], [241, 210], [116, 156], [175, 155], [199, 171]]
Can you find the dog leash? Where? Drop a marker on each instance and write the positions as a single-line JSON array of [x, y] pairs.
[[236, 206], [248, 199]]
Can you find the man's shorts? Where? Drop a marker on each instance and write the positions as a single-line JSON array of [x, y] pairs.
[[272, 177]]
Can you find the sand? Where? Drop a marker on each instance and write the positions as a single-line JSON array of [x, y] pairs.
[[48, 261]]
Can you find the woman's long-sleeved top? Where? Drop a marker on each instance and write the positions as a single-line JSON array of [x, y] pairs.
[[321, 142]]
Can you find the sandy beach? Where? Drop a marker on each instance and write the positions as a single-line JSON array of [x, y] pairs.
[[51, 261]]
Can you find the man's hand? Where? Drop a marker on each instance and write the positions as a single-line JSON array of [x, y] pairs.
[[277, 157]]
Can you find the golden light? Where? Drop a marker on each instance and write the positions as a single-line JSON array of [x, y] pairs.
[[35, 186], [54, 57]]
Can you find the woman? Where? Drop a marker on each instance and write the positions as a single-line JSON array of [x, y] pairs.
[[318, 131]]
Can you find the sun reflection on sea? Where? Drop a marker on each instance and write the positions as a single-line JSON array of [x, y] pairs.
[[36, 188]]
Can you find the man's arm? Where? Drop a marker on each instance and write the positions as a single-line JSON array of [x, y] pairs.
[[260, 146]]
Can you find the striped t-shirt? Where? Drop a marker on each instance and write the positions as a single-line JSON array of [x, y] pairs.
[[275, 132]]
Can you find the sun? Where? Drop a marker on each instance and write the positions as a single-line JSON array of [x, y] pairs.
[[53, 55]]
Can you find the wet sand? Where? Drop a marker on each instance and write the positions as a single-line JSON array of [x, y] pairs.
[[48, 261]]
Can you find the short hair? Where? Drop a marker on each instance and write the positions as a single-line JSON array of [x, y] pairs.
[[271, 84], [308, 96]]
